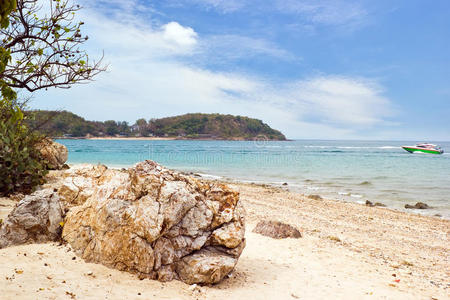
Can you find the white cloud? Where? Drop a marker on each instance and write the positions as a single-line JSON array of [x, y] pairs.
[[147, 78], [343, 101], [179, 35]]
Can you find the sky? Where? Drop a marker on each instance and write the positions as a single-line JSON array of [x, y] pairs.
[[314, 69]]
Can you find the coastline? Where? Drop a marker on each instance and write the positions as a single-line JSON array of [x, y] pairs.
[[112, 138], [348, 250]]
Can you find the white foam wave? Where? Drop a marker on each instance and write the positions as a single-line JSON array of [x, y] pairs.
[[344, 194], [356, 196], [313, 188], [354, 147], [209, 176]]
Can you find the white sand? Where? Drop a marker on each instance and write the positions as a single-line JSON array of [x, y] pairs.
[[375, 244]]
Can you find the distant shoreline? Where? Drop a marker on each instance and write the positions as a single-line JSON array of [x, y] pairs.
[[111, 138]]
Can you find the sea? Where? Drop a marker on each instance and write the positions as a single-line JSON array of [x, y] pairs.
[[378, 171]]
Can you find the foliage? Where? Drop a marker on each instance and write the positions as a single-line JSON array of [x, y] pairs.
[[214, 126], [44, 46], [38, 49], [6, 6], [21, 166]]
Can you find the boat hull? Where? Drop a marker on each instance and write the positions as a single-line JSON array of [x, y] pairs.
[[429, 151]]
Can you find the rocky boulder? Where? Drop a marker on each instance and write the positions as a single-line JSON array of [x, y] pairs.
[[147, 220], [54, 153], [418, 205], [35, 219], [277, 230]]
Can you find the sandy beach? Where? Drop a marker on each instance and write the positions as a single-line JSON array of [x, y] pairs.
[[348, 251]]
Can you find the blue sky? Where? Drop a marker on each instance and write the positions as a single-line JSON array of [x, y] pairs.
[[326, 69]]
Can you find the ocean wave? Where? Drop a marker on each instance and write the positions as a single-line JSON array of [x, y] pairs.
[[209, 176], [354, 147], [356, 195]]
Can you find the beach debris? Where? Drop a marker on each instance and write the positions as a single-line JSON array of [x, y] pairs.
[[285, 183], [277, 230], [18, 271], [407, 263], [418, 205], [315, 197], [71, 295], [334, 238], [370, 204]]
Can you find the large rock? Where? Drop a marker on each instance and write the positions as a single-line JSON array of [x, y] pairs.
[[147, 220], [54, 153], [36, 218]]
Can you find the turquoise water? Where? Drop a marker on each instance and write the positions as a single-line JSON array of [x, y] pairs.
[[345, 170]]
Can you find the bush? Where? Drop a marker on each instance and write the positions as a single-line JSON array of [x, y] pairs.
[[21, 166]]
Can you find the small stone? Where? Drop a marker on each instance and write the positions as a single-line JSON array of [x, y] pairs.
[[285, 183], [421, 205], [379, 204], [315, 197], [369, 203]]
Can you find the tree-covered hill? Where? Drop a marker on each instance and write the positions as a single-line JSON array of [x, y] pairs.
[[188, 126]]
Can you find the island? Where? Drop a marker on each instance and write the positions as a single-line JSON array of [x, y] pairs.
[[65, 124]]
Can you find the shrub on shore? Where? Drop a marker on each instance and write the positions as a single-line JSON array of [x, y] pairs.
[[22, 167]]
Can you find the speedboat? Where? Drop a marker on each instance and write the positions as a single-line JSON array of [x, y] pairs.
[[424, 148]]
